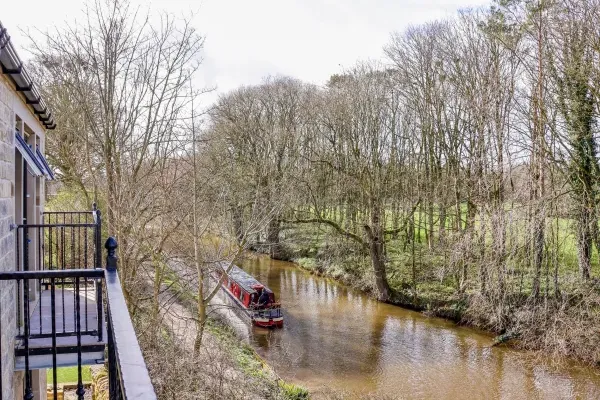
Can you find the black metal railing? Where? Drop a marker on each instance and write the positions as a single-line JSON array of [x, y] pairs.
[[66, 240], [29, 345], [63, 302]]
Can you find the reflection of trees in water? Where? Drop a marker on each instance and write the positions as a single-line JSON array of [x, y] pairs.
[[322, 329], [374, 349], [267, 339], [332, 333]]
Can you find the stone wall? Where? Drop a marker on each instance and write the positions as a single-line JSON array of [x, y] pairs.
[[7, 241]]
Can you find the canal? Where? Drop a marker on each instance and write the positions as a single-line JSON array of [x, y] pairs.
[[337, 338]]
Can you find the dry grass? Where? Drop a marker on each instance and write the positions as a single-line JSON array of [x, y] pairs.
[[223, 369], [562, 327]]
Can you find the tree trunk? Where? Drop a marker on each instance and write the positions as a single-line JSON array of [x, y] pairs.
[[376, 249], [538, 249], [200, 300], [201, 319], [273, 238], [238, 223], [158, 277], [442, 223], [499, 245], [483, 265], [584, 241], [430, 223]]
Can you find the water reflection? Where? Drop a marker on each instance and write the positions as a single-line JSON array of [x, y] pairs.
[[338, 338]]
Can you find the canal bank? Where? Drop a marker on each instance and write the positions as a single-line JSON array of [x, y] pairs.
[[559, 320], [451, 309], [335, 337], [235, 368]]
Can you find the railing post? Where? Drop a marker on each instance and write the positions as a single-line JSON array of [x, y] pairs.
[[28, 395], [98, 235], [98, 256], [111, 258], [113, 371], [80, 390], [1, 370]]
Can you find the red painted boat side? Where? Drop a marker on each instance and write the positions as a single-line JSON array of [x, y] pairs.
[[245, 297]]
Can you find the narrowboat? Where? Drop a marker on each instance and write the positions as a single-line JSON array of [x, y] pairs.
[[242, 291]]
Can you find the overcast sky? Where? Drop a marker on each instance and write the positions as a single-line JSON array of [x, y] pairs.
[[247, 40]]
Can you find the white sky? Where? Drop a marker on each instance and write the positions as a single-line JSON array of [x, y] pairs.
[[247, 40]]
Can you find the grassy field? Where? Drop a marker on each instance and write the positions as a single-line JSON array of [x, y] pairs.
[[69, 374]]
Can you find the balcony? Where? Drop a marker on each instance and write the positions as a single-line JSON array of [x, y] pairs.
[[70, 311]]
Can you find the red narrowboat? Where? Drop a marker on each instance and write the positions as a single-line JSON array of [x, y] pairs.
[[255, 300]]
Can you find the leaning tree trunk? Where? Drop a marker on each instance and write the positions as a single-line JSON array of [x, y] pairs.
[[376, 249], [238, 223], [273, 238]]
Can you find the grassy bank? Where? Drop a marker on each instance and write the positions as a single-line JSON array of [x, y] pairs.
[[320, 252], [433, 299], [252, 364], [250, 367]]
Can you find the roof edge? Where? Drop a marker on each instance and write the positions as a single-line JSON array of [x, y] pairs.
[[12, 66]]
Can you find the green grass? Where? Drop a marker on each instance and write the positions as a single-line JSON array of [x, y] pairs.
[[293, 392], [244, 354], [69, 374], [560, 234]]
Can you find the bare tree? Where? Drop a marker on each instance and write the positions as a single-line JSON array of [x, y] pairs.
[[129, 79]]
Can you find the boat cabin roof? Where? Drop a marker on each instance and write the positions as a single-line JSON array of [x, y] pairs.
[[244, 279]]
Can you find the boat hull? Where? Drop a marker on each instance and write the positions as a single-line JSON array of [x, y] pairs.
[[268, 322]]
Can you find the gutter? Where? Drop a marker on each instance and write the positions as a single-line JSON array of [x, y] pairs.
[[12, 66]]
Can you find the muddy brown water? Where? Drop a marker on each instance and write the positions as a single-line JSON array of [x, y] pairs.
[[336, 338]]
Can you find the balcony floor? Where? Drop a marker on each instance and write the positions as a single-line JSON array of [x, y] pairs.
[[40, 348]]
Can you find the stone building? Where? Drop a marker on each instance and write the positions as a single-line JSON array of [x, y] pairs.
[[24, 120]]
